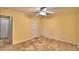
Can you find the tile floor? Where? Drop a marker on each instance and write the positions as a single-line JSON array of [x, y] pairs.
[[40, 44]]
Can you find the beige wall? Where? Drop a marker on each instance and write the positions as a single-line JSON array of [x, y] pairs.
[[62, 25], [22, 25], [78, 27]]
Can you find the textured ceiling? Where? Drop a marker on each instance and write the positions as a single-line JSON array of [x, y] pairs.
[[57, 10]]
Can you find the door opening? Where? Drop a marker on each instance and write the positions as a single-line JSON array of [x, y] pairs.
[[5, 30]]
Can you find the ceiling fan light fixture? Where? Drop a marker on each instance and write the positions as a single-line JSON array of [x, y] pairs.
[[42, 13]]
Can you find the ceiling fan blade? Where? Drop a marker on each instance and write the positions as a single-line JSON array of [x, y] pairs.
[[50, 12], [37, 9]]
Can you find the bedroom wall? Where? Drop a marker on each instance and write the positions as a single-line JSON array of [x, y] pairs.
[[62, 25], [78, 27], [22, 25]]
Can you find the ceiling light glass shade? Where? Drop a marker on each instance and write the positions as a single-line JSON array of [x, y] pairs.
[[42, 14]]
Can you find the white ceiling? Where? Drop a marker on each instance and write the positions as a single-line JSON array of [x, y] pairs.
[[27, 9]]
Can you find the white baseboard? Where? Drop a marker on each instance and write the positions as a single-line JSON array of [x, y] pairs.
[[59, 39], [25, 40], [46, 37]]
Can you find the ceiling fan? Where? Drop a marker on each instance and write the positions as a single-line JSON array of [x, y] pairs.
[[43, 11]]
